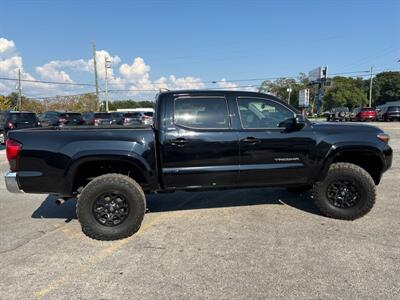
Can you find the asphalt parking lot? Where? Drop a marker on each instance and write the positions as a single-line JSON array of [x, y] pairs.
[[262, 243]]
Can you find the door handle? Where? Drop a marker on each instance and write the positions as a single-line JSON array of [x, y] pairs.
[[180, 142], [251, 140]]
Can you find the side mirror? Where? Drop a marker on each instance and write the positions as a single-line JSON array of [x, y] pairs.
[[288, 124], [300, 121], [295, 123]]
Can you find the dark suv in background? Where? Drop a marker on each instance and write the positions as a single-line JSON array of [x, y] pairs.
[[340, 114], [56, 118], [389, 113], [11, 120]]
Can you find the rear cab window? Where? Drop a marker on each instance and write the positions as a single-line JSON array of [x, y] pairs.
[[71, 115], [23, 117], [201, 112], [102, 115]]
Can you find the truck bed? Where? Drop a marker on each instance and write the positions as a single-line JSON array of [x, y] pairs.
[[51, 156]]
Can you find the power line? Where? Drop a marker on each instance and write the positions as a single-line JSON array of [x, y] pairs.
[[58, 96], [48, 82]]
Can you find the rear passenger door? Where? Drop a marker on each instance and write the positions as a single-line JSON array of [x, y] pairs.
[[198, 147]]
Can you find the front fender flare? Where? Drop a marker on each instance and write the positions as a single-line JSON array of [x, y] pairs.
[[340, 148]]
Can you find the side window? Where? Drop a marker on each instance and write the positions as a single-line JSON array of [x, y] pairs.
[[201, 113], [262, 113]]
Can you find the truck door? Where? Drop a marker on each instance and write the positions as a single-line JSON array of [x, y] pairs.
[[198, 146], [270, 155]]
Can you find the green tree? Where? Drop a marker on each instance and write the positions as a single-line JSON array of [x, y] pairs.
[[5, 103], [279, 88], [386, 87], [118, 104], [344, 91]]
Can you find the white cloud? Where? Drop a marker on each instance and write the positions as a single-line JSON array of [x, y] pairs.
[[138, 69], [51, 71], [134, 77], [6, 45], [223, 84]]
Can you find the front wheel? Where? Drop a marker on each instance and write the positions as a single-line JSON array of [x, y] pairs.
[[111, 207], [348, 192]]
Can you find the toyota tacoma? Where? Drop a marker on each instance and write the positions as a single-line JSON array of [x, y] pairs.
[[200, 140]]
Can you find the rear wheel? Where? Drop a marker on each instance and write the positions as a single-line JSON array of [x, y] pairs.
[[111, 207], [348, 192]]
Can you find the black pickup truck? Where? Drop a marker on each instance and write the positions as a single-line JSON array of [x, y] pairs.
[[200, 140]]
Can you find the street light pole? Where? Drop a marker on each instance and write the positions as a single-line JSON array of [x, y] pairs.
[[289, 90], [370, 88]]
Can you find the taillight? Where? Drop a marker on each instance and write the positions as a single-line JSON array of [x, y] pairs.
[[62, 120], [96, 121], [10, 125], [13, 149]]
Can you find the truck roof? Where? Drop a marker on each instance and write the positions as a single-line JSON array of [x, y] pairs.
[[211, 91], [218, 92]]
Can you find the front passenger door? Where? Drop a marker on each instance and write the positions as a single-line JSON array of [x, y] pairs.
[[269, 154]]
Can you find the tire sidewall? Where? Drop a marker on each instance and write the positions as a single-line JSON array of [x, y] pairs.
[[133, 196], [361, 188], [363, 182]]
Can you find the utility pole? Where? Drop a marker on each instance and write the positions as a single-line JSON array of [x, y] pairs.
[[370, 88], [19, 88], [106, 66], [96, 81]]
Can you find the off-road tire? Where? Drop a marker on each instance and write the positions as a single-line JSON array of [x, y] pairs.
[[133, 194], [345, 171]]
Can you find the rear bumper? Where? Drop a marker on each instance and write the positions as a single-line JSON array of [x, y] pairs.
[[12, 182], [367, 117]]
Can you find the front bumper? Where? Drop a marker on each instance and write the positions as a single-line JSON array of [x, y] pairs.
[[12, 182]]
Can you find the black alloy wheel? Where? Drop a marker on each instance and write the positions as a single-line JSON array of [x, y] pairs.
[[343, 194], [110, 209]]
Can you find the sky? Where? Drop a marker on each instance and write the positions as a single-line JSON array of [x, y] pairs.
[[189, 44]]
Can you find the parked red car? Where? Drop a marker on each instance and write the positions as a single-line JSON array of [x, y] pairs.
[[364, 114]]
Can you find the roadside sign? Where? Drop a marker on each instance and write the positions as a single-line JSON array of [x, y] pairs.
[[304, 98], [317, 74]]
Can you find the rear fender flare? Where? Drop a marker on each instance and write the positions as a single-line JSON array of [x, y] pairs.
[[135, 160]]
